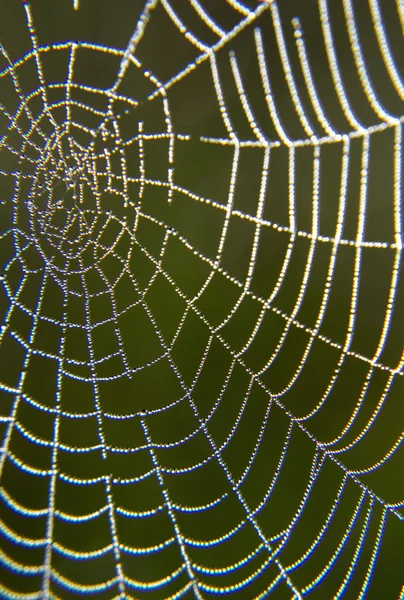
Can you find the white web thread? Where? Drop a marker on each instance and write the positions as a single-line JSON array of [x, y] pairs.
[[85, 172]]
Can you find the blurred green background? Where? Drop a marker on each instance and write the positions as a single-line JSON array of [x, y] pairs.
[[146, 310]]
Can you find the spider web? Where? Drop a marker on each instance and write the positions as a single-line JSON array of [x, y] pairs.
[[202, 310]]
